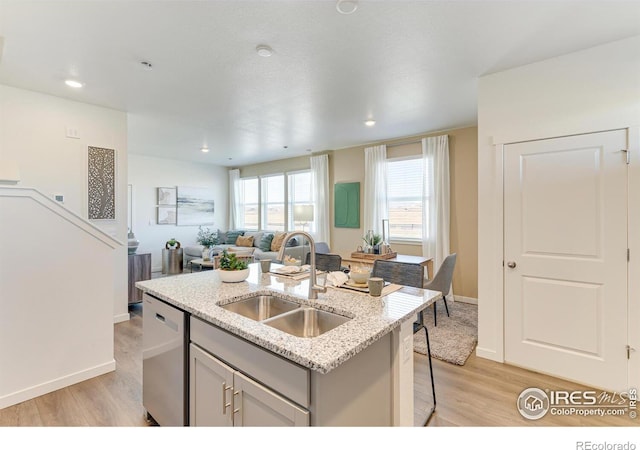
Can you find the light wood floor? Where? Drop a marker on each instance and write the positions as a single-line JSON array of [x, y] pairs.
[[480, 393]]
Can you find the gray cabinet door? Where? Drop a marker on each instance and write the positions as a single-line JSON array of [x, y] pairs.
[[256, 406], [210, 390]]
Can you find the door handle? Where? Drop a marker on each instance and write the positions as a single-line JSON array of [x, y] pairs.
[[225, 405], [511, 264]]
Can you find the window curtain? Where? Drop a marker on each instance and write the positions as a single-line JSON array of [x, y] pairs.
[[435, 216], [375, 188], [320, 196], [236, 200]]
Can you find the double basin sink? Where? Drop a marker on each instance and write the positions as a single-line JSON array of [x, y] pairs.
[[287, 316]]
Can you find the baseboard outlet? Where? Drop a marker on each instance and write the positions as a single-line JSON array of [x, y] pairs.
[[121, 318], [462, 299], [58, 383]]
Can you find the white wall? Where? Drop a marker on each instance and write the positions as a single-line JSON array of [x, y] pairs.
[[56, 297], [148, 173], [592, 90], [33, 138]]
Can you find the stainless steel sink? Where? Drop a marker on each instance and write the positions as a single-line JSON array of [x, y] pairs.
[[306, 322], [261, 307]]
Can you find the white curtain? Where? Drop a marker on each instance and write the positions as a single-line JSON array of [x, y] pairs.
[[236, 200], [320, 197], [435, 217], [376, 207]]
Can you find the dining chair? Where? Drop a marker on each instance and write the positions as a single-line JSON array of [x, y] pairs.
[[408, 274], [442, 282], [326, 261]]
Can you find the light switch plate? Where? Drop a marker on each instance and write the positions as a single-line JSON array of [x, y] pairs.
[[72, 133]]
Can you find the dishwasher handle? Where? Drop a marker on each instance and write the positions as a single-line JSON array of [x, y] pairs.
[[170, 323]]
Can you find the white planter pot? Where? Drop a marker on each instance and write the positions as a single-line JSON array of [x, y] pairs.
[[206, 254], [233, 276]]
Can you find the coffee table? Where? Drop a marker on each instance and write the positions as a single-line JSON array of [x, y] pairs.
[[202, 264]]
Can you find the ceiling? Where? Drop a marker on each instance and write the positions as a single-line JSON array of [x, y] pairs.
[[412, 66]]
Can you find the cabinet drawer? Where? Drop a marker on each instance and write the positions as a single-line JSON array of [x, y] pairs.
[[285, 377]]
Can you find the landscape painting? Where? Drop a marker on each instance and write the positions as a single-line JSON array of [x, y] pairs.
[[195, 206]]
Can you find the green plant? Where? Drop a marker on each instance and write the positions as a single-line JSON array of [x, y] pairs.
[[229, 261], [375, 240], [207, 237], [172, 243]]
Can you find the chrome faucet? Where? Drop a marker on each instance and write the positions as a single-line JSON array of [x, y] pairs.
[[314, 288]]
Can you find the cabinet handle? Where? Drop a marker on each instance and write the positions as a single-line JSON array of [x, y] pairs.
[[225, 405], [234, 401]]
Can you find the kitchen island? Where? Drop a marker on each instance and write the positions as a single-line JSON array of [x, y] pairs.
[[358, 373]]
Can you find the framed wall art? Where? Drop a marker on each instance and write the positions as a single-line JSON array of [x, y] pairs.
[[195, 206], [101, 181], [166, 215], [347, 205], [167, 196]]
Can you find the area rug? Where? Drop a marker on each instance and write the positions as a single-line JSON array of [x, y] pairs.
[[455, 337]]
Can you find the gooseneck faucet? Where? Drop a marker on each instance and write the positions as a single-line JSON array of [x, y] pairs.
[[313, 286]]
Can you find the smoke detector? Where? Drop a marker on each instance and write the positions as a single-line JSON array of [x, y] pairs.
[[264, 50]]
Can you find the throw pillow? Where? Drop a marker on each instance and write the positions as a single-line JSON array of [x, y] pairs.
[[292, 242], [257, 237], [265, 243], [232, 236], [244, 241], [222, 237], [276, 243]]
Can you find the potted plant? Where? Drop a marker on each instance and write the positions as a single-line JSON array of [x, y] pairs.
[[232, 269], [207, 239], [372, 242]]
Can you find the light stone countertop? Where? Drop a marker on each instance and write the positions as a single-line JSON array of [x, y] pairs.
[[372, 317]]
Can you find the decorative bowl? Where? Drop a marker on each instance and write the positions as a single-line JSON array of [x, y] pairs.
[[233, 276], [360, 276], [291, 262]]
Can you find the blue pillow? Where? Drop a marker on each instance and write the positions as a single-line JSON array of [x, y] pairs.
[[265, 243], [232, 236]]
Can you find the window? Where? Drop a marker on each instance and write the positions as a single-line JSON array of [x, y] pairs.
[[276, 202], [405, 198], [273, 203], [250, 203], [301, 209]]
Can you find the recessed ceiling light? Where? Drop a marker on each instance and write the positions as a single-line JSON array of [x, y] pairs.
[[346, 6], [264, 50], [369, 122], [73, 83], [204, 150]]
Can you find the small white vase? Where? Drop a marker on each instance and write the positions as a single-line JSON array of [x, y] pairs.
[[233, 276], [206, 254]]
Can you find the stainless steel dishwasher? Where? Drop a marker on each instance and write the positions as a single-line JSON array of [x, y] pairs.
[[163, 362]]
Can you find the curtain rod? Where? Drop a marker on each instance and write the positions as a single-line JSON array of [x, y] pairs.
[[419, 141]]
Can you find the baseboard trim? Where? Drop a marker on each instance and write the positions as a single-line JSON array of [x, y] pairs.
[[463, 299], [488, 354], [121, 318], [58, 383]]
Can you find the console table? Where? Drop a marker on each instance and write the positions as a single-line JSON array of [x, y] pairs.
[[410, 259], [139, 270]]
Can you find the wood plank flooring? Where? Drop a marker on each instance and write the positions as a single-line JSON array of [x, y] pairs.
[[480, 393]]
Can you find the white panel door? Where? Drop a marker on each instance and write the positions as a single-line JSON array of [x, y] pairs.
[[565, 205]]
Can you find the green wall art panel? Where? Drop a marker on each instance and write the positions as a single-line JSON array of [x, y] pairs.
[[347, 205]]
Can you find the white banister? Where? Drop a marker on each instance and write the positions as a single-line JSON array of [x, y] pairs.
[[57, 208]]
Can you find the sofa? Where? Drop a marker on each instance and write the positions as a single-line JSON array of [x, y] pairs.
[[236, 241]]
